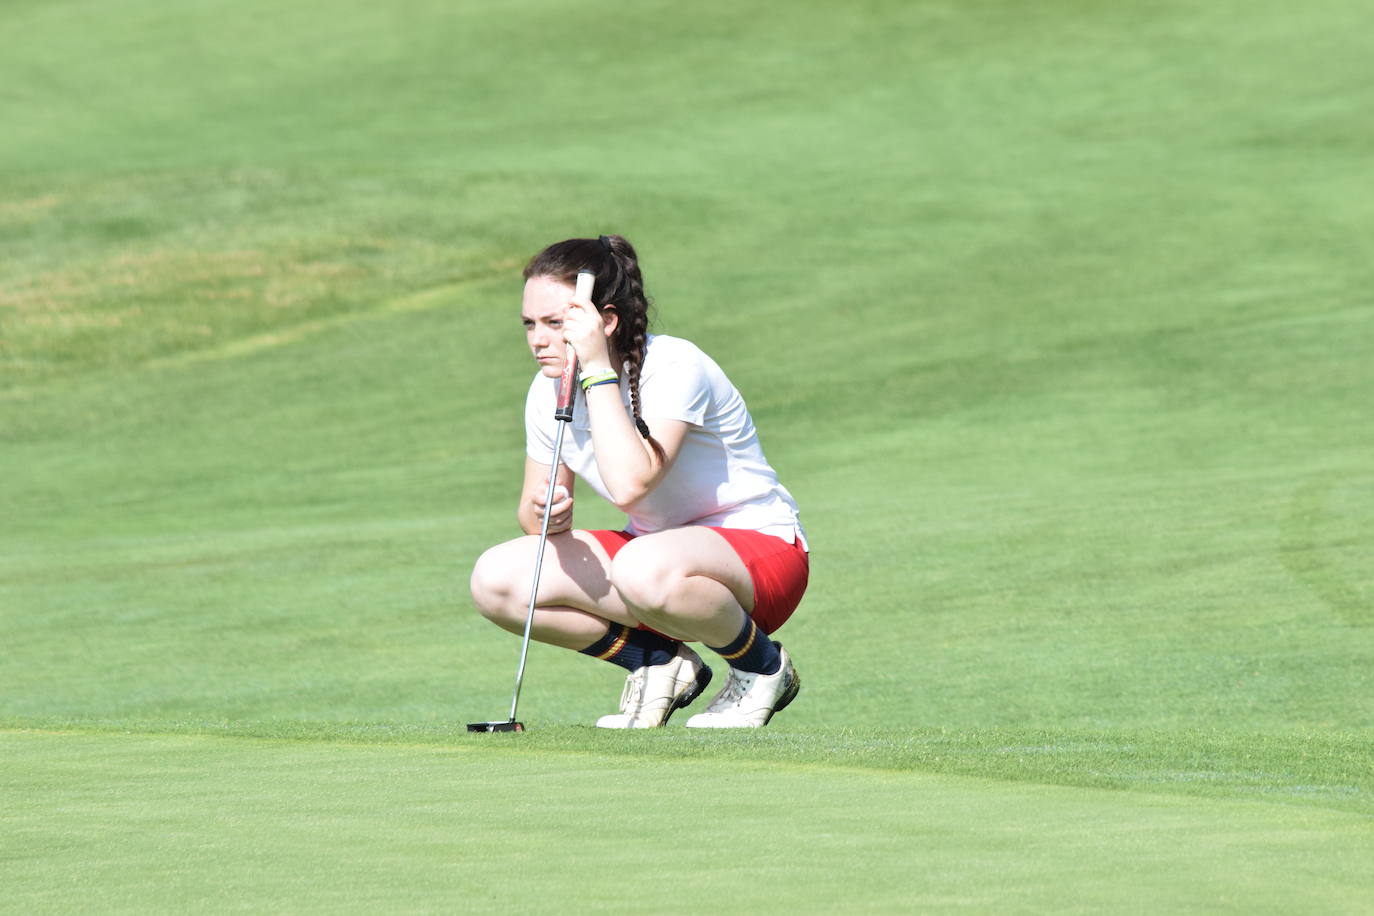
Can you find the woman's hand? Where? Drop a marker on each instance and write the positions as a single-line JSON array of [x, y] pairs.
[[560, 518], [529, 510], [587, 331]]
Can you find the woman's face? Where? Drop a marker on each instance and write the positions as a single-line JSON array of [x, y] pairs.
[[541, 311]]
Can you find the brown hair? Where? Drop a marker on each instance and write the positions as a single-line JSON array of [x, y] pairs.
[[620, 285]]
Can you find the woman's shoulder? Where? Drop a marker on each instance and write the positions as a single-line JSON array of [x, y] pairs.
[[664, 348], [667, 344], [677, 361]]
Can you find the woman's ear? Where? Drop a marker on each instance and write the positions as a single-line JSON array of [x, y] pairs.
[[610, 318]]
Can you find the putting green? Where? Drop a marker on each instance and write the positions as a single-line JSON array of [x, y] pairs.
[[145, 823]]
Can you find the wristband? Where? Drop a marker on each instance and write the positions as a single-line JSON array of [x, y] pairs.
[[587, 372], [603, 377]]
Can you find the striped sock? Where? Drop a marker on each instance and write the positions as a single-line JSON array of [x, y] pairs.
[[632, 649], [752, 651]]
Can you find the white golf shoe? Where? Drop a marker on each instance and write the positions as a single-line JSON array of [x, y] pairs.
[[653, 692], [749, 700]]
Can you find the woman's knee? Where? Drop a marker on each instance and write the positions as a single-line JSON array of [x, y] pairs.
[[494, 580]]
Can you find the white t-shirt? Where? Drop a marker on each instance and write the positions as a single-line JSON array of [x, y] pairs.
[[720, 478]]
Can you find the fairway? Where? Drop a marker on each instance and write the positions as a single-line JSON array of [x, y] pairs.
[[1055, 319]]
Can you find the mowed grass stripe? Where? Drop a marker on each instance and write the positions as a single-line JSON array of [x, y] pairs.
[[1322, 770], [125, 823]]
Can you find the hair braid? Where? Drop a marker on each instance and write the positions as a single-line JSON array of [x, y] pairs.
[[634, 362]]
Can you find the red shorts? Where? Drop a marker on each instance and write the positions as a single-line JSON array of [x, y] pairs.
[[780, 570]]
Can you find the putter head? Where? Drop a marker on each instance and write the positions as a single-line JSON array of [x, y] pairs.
[[508, 726]]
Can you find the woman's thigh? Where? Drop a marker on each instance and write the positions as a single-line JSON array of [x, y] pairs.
[[764, 575], [666, 557], [575, 573]]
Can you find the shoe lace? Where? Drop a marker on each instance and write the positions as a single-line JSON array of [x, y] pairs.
[[735, 690], [632, 696]]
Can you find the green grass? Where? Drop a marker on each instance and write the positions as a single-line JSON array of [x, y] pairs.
[[409, 826], [1054, 318]]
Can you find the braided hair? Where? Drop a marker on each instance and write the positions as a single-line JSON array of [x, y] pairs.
[[620, 285]]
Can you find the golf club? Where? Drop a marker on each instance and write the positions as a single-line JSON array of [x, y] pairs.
[[563, 412]]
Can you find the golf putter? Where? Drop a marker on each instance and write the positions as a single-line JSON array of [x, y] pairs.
[[567, 393]]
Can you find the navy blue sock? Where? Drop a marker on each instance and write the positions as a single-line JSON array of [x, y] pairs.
[[631, 649], [751, 650]]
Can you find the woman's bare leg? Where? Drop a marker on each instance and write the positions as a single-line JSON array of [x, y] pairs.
[[576, 599], [684, 582]]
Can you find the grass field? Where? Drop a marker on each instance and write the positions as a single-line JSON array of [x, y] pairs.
[[1056, 318]]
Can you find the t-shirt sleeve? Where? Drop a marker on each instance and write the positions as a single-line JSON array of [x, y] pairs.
[[677, 389], [539, 406]]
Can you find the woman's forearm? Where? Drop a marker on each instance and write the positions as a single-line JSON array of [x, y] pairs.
[[627, 464]]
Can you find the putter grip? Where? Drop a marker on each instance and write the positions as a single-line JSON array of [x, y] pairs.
[[567, 389], [567, 384]]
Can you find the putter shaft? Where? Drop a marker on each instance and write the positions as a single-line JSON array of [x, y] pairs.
[[538, 567], [563, 414]]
